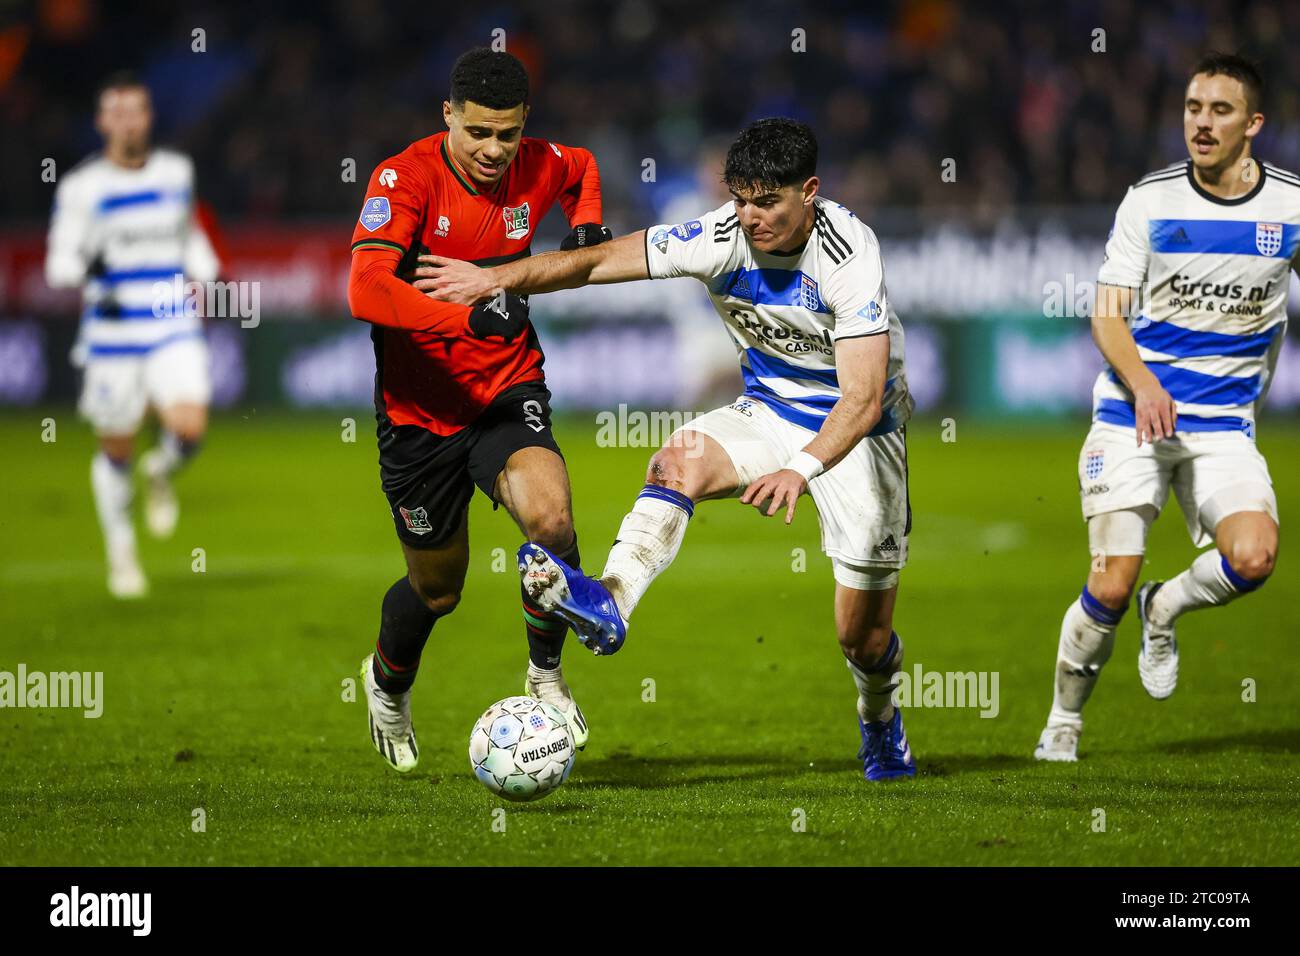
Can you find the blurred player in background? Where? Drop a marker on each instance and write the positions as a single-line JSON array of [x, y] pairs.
[[460, 395], [1207, 245], [124, 230], [799, 285]]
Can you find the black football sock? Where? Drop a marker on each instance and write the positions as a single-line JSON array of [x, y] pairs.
[[544, 630], [404, 626]]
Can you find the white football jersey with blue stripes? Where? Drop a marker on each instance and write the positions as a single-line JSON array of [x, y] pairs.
[[129, 238], [1212, 275], [785, 313]]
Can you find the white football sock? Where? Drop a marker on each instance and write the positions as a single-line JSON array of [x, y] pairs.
[[647, 542], [548, 681], [1210, 581], [171, 453], [112, 486], [1086, 644], [876, 686]]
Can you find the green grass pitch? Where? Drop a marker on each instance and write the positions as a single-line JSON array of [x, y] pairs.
[[224, 690]]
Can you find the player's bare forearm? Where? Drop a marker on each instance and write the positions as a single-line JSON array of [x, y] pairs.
[[853, 415], [849, 421], [1155, 413], [620, 260], [862, 365], [1111, 334], [554, 270]]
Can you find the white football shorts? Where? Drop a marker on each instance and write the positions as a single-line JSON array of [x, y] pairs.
[[862, 503], [117, 389], [1212, 474]]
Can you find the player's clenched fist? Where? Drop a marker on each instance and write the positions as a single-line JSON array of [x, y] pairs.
[[503, 315], [584, 235]]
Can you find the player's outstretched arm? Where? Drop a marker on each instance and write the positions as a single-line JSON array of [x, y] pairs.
[[454, 280], [1154, 409], [66, 265], [861, 364]]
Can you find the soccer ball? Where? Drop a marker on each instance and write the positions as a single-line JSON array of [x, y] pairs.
[[521, 748]]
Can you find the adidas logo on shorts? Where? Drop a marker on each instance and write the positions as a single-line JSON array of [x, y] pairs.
[[888, 546]]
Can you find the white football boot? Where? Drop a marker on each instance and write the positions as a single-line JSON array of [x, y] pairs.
[[1158, 655], [390, 722], [549, 686], [126, 580], [1058, 743], [161, 509]]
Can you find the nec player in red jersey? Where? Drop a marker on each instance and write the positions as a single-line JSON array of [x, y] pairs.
[[460, 395]]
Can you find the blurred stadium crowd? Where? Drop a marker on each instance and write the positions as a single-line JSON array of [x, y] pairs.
[[285, 91]]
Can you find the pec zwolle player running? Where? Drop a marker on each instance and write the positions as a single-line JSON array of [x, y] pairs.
[[1208, 244], [459, 392], [799, 285], [124, 230]]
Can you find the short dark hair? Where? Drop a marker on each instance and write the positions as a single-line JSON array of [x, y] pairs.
[[119, 80], [771, 153], [1239, 68], [489, 78]]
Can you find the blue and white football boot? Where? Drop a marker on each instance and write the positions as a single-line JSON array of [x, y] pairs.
[[583, 602], [885, 753]]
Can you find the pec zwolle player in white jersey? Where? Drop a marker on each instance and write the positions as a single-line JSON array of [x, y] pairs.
[[799, 285], [1200, 258], [123, 229]]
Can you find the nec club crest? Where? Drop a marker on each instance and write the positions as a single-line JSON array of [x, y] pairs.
[[417, 520], [375, 213], [516, 218], [1268, 238]]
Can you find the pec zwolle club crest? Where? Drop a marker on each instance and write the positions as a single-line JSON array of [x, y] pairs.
[[808, 294], [516, 218], [1096, 460], [1268, 238]]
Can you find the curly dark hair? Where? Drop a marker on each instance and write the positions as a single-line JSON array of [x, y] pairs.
[[1239, 68], [488, 78], [771, 153]]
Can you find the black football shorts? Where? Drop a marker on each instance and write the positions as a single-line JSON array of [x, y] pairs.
[[429, 479]]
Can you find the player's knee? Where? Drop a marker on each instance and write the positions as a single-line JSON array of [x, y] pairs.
[[437, 596], [1112, 590], [118, 449], [1253, 561], [671, 467], [667, 468], [553, 531], [190, 434], [865, 644], [186, 424]]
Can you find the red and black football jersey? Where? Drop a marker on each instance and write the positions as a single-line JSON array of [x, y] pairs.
[[430, 371]]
